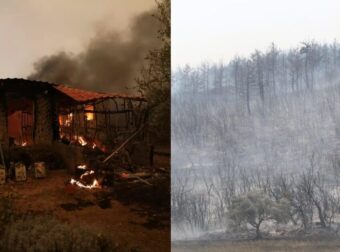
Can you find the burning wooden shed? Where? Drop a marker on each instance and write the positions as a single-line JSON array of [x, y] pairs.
[[35, 112]]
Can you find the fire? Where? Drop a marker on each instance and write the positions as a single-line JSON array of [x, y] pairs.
[[124, 175], [66, 120], [83, 167], [69, 119], [95, 184], [89, 115], [24, 144], [86, 174], [82, 141]]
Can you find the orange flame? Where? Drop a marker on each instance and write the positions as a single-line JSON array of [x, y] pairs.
[[66, 120], [89, 115], [86, 174], [82, 141], [95, 184], [124, 175]]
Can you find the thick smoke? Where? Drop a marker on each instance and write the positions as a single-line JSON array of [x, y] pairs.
[[110, 62]]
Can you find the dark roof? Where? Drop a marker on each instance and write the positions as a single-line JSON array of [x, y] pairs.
[[78, 95], [81, 95]]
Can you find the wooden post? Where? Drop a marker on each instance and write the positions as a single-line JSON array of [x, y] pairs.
[[2, 156], [152, 149], [43, 115], [117, 150], [3, 121]]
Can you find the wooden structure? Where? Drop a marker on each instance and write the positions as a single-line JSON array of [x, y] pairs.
[[35, 112]]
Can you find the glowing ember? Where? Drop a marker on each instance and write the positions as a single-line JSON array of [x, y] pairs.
[[83, 167], [124, 175], [24, 144], [82, 141], [68, 119], [95, 184], [86, 174], [94, 146]]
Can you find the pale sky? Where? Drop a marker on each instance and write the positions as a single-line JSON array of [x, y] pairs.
[[30, 29], [217, 30]]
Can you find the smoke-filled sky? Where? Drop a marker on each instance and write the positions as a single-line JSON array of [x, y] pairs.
[[218, 29], [34, 29]]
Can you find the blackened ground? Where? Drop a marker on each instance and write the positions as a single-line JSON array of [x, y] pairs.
[[283, 245]]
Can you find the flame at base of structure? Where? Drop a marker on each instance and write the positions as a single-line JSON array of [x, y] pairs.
[[86, 174], [82, 141], [82, 167], [89, 174], [95, 184]]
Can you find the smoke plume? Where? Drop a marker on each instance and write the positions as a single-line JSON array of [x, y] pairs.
[[110, 62]]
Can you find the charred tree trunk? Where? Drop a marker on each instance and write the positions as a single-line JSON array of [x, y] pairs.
[[55, 118], [258, 232], [320, 213], [248, 88], [306, 72]]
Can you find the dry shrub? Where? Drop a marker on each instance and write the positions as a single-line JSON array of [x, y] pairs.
[[6, 213], [46, 233]]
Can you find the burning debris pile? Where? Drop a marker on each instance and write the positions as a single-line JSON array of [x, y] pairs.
[[82, 141], [87, 178], [95, 171]]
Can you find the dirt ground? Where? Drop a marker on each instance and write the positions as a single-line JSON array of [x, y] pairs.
[[259, 246], [135, 215]]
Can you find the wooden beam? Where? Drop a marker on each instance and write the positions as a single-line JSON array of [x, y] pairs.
[[117, 150]]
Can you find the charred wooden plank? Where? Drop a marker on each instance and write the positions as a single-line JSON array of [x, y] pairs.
[[121, 147]]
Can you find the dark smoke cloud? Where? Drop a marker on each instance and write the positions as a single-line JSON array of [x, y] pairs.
[[110, 62]]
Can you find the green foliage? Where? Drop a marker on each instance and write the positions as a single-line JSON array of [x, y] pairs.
[[154, 82], [255, 207]]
